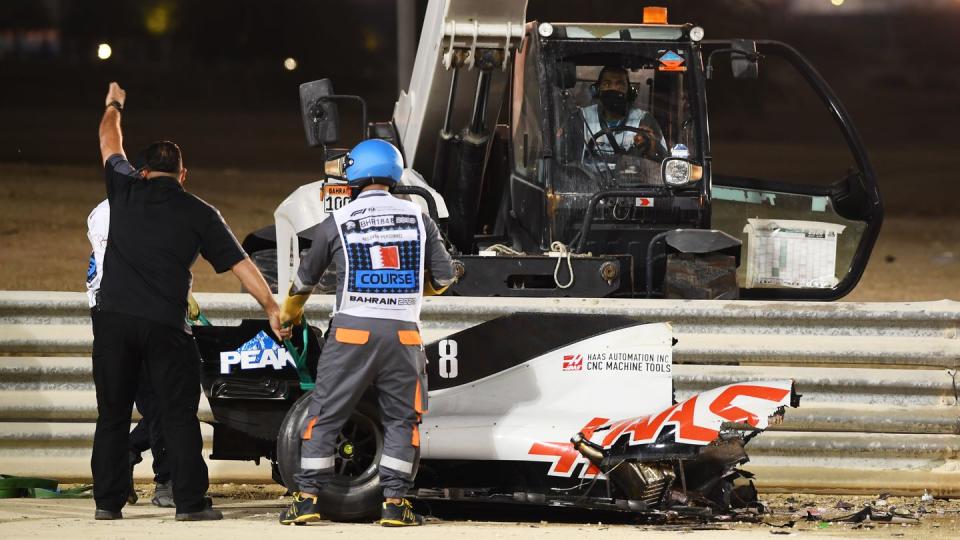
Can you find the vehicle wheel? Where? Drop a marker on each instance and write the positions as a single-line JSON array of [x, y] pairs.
[[275, 475], [710, 276], [355, 491]]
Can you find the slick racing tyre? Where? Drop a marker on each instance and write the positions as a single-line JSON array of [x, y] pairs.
[[354, 493]]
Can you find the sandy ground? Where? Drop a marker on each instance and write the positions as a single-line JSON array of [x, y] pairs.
[[915, 259], [250, 512], [44, 210]]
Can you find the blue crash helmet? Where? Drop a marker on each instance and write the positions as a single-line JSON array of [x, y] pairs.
[[373, 161]]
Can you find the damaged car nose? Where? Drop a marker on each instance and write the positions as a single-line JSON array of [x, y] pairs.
[[699, 442]]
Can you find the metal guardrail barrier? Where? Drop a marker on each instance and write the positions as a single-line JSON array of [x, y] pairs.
[[880, 408]]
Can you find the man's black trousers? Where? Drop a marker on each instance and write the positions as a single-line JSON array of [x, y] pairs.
[[148, 433], [122, 346]]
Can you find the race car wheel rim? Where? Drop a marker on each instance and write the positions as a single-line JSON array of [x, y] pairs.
[[358, 449]]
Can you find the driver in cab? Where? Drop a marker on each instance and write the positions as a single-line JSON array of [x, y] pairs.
[[613, 126]]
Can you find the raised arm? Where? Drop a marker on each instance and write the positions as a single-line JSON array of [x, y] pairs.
[[111, 138]]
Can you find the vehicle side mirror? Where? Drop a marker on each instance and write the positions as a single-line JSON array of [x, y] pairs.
[[744, 61], [321, 123]]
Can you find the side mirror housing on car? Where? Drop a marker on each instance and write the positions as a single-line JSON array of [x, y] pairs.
[[744, 63], [321, 122]]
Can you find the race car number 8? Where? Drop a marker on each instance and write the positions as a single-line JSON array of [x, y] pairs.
[[448, 358]]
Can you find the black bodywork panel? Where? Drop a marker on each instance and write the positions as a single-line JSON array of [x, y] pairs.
[[533, 276], [488, 348], [250, 400]]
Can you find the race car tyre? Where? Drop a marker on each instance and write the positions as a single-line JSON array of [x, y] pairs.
[[354, 493], [275, 474]]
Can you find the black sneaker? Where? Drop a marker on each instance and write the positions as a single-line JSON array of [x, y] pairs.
[[163, 495], [399, 515], [303, 510], [207, 514], [132, 496], [107, 514]]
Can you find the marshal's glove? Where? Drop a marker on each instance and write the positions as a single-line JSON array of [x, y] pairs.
[[429, 289], [292, 311], [193, 308]]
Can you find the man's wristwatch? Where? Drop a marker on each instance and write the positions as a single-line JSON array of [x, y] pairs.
[[116, 105]]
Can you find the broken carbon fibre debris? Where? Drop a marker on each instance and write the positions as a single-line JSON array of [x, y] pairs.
[[869, 514], [687, 468]]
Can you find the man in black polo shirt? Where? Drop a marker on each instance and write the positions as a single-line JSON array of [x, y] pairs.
[[156, 232]]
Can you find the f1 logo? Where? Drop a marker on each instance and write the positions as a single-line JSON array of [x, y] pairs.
[[572, 362], [384, 258]]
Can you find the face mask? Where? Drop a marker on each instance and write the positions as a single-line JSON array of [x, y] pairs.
[[614, 102]]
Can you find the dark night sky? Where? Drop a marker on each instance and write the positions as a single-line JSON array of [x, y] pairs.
[[211, 72]]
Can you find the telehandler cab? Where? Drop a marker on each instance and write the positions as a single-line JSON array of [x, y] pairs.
[[539, 198]]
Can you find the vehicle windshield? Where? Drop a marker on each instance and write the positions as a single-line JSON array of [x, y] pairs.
[[618, 114]]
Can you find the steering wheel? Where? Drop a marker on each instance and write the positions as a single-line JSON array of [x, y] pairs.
[[642, 149]]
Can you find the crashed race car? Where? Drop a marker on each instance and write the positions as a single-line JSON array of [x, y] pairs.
[[572, 411]]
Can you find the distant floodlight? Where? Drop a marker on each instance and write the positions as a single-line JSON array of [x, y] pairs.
[[290, 64], [104, 51], [837, 2], [158, 18]]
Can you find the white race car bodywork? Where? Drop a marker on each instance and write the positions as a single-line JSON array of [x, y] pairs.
[[551, 397]]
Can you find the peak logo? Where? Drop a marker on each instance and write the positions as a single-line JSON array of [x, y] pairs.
[[573, 362], [260, 352]]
